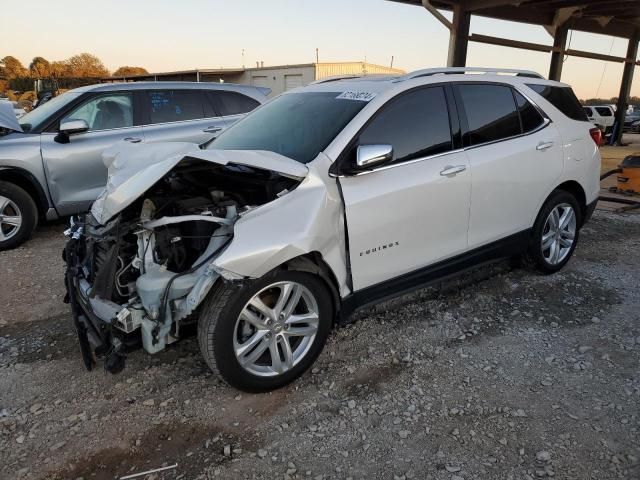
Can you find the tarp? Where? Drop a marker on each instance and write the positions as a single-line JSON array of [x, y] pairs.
[[8, 117]]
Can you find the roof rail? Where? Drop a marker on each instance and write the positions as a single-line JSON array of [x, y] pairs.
[[352, 76], [453, 70], [335, 78]]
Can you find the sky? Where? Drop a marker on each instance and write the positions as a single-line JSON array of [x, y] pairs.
[[164, 35]]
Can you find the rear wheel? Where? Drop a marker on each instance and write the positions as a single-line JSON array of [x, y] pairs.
[[555, 232], [265, 334], [18, 215]]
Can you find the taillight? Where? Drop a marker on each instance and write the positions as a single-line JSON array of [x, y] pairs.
[[596, 135]]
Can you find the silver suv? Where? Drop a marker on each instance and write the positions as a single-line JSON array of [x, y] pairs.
[[51, 158]]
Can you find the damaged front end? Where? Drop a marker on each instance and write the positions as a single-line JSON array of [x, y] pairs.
[[142, 262]]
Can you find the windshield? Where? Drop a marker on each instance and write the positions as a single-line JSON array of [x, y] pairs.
[[296, 125], [38, 116]]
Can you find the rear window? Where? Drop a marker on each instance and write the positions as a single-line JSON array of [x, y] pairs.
[[563, 99], [174, 105], [233, 103]]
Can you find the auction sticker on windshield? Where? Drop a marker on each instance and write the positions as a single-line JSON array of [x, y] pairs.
[[361, 96]]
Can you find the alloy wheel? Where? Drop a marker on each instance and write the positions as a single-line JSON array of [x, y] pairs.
[[276, 329], [558, 234], [10, 218]]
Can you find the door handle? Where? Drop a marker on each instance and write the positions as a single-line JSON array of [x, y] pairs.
[[212, 129], [544, 145], [133, 139], [452, 170]]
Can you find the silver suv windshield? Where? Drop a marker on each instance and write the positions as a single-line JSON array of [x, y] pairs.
[[38, 116], [296, 125]]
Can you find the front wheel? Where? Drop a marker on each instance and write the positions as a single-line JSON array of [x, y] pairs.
[[555, 232], [265, 334], [18, 216]]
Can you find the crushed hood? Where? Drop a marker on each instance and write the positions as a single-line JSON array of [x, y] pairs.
[[134, 168], [8, 117]]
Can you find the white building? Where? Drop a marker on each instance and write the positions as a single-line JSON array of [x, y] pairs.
[[278, 78]]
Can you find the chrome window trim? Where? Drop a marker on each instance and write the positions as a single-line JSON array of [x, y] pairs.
[[546, 121], [393, 165], [544, 124]]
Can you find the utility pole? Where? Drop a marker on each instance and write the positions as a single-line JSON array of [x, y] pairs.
[[391, 66], [317, 56], [243, 58]]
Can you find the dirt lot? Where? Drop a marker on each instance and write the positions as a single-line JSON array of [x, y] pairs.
[[504, 375]]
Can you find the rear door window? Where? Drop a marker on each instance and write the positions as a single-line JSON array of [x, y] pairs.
[[563, 99], [530, 118], [164, 106], [491, 113], [415, 124], [232, 103]]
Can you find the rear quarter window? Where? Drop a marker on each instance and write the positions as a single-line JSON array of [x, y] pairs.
[[233, 103], [563, 99]]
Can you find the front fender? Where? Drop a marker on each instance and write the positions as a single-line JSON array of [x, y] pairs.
[[308, 219]]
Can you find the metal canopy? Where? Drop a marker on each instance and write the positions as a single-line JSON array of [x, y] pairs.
[[619, 18]]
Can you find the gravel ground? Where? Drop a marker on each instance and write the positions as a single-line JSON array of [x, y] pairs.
[[504, 374]]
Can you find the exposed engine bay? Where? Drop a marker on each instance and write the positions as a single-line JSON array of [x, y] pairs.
[[137, 278]]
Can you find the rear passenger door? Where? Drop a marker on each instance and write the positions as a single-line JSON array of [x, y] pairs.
[[175, 115], [516, 156]]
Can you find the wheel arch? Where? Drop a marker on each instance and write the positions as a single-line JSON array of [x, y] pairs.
[[25, 180], [314, 263], [575, 189]]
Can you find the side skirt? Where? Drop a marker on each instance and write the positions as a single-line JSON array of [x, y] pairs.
[[507, 247]]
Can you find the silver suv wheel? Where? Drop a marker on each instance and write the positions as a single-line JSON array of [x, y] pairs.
[[10, 218], [558, 233], [276, 329]]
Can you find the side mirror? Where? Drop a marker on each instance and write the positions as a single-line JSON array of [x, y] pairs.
[[71, 127], [369, 156]]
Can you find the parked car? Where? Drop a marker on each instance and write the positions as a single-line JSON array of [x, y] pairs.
[[51, 165], [632, 122], [328, 198], [603, 116]]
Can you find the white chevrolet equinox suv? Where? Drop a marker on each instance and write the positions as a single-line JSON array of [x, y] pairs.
[[328, 198]]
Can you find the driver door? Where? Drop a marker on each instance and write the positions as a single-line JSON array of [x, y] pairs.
[[74, 170], [414, 211]]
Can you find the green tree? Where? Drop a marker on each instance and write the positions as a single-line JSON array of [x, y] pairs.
[[40, 68], [127, 71]]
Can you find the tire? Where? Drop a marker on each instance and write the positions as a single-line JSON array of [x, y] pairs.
[[542, 257], [223, 329], [16, 205]]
